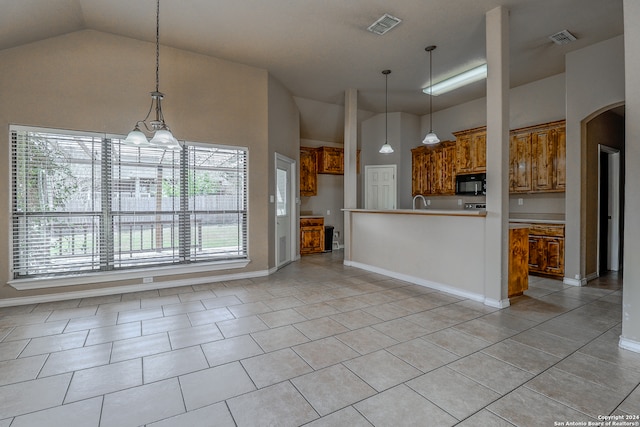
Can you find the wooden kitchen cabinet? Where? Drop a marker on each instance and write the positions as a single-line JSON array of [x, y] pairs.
[[331, 160], [518, 260], [311, 235], [442, 173], [538, 159], [520, 162], [433, 169], [471, 150], [546, 250], [420, 169], [308, 171]]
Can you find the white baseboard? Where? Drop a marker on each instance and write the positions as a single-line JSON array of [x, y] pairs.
[[504, 303], [574, 282], [630, 345], [432, 285], [39, 299]]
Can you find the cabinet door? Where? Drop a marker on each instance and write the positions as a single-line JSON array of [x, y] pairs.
[[435, 171], [417, 159], [448, 169], [464, 154], [536, 255], [479, 153], [560, 159], [308, 172], [553, 248], [543, 154], [520, 162], [331, 161], [311, 239]]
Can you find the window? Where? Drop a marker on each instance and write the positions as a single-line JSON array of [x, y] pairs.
[[86, 202]]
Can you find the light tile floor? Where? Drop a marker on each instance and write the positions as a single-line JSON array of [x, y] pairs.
[[318, 344]]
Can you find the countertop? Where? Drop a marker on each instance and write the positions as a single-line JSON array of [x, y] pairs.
[[447, 212], [537, 218]]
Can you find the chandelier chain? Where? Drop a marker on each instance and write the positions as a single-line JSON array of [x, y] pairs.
[[158, 46]]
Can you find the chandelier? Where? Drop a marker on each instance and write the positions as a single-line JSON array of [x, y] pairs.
[[162, 136]]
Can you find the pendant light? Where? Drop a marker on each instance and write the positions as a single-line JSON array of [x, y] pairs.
[[431, 137], [386, 148], [162, 135]]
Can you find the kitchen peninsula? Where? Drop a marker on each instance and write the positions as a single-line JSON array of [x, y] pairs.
[[439, 249]]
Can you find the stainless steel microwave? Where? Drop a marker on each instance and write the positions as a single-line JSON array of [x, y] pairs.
[[474, 184]]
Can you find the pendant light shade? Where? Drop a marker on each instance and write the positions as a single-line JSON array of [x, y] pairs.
[[431, 137], [386, 147], [136, 137], [162, 135]]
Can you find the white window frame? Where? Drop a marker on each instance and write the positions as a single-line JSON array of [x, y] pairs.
[[145, 272]]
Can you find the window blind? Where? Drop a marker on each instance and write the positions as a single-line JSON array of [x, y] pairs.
[[87, 202]]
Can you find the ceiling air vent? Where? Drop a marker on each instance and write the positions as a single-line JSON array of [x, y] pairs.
[[384, 24], [562, 37]]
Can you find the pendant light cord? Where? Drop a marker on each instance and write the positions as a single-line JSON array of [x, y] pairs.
[[386, 114], [430, 92]]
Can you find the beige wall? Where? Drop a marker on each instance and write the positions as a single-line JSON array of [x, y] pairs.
[[330, 196], [433, 250], [99, 82], [605, 129], [594, 81], [284, 139], [630, 337]]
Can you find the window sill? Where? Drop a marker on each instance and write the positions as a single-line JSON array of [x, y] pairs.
[[146, 275]]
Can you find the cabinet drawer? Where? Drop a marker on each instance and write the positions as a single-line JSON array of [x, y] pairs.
[[555, 230], [311, 222]]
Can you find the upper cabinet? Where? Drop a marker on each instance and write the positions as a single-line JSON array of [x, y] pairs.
[[420, 168], [520, 162], [315, 160], [471, 150], [433, 169], [308, 171], [538, 159], [331, 160]]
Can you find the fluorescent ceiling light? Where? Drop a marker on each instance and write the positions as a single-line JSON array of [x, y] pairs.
[[463, 79]]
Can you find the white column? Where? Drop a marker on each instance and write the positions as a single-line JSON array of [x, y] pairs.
[[497, 226], [630, 338], [350, 167]]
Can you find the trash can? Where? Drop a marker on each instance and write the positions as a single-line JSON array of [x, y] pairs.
[[328, 238]]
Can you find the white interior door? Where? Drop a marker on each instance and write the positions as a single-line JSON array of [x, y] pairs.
[[285, 210], [613, 245], [613, 209], [380, 187]]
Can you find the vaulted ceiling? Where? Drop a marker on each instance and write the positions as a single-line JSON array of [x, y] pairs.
[[317, 49]]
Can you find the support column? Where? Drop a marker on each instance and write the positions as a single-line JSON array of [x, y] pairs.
[[630, 338], [350, 166], [497, 225]]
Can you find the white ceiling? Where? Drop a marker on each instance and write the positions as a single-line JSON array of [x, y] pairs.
[[319, 48]]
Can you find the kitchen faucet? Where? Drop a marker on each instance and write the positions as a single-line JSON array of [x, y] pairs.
[[423, 201]]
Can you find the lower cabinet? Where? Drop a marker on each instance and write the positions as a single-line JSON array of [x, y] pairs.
[[546, 250], [311, 235], [518, 260]]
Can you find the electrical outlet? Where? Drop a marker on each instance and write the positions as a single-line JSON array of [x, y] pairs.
[[428, 202], [459, 202], [328, 212], [520, 201], [147, 280]]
